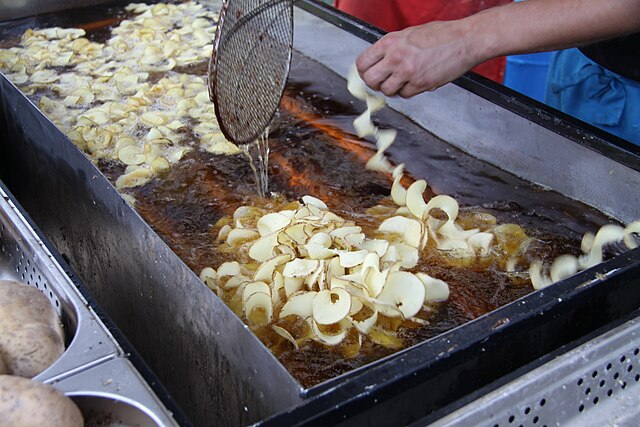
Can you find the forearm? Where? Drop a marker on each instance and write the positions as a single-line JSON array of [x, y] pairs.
[[427, 56], [539, 25]]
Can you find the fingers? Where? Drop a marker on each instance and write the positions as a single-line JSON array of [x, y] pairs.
[[409, 90], [375, 76], [382, 66], [370, 57], [379, 75], [392, 85]]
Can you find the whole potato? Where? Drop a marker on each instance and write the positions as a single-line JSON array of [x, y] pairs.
[[31, 336], [28, 403]]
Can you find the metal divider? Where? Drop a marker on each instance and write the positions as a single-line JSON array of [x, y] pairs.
[[94, 370]]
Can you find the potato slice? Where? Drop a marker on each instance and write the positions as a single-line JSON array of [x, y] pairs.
[[263, 248], [267, 268], [415, 200], [539, 280], [629, 240], [286, 335], [230, 268], [331, 306], [238, 236], [300, 267], [607, 234], [404, 291], [563, 267], [272, 222], [300, 304], [310, 200], [436, 290], [131, 155], [364, 326], [410, 230], [398, 192], [331, 339], [292, 285]]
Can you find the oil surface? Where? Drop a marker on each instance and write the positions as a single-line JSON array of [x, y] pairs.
[[313, 151]]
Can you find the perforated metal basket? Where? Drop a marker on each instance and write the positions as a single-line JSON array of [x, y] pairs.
[[596, 384], [94, 370], [25, 258]]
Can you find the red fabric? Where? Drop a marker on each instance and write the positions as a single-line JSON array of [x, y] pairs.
[[394, 15]]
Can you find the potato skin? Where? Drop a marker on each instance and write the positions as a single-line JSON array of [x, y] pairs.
[[28, 403], [31, 336]]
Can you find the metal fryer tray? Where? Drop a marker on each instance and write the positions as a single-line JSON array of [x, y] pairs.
[[94, 370], [114, 392], [25, 258]]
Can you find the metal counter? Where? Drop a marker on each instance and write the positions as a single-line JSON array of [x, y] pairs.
[[94, 369]]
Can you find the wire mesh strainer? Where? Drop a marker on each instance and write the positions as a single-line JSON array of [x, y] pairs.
[[250, 65]]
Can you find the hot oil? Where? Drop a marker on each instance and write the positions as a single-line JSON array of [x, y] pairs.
[[257, 153], [312, 150]]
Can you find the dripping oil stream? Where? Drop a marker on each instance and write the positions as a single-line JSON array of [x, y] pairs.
[[258, 154]]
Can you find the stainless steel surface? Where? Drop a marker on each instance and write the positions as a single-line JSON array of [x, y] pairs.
[[492, 133], [114, 393], [250, 65], [92, 369], [11, 9], [596, 384], [23, 257]]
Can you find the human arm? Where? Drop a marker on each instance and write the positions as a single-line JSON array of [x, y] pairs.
[[427, 56]]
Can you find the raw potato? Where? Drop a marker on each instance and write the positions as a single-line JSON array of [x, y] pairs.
[[31, 336], [28, 403]]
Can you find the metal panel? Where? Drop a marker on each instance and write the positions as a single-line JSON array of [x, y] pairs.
[[12, 9], [24, 258], [597, 383]]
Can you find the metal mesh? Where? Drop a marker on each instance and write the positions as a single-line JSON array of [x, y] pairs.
[[250, 65]]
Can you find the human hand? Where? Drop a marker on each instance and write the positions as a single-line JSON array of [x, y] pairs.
[[418, 59]]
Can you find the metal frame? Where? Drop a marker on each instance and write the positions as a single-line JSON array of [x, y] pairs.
[[24, 258], [94, 367], [597, 383], [11, 9]]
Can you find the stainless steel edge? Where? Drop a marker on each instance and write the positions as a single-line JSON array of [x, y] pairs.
[[116, 389], [596, 383], [25, 258], [12, 9]]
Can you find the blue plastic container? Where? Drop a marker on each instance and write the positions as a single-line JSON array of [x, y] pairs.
[[528, 74]]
